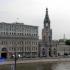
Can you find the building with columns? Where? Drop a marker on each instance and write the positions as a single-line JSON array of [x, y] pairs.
[[20, 38], [45, 43]]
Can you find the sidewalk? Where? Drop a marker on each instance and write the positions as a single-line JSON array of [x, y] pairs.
[[39, 60]]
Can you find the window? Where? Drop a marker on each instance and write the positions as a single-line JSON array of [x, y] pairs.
[[25, 34], [34, 34], [36, 48], [12, 48], [18, 33], [32, 43], [29, 48], [22, 34], [25, 48], [21, 42], [12, 33], [2, 43], [6, 42], [22, 48], [18, 48], [25, 42], [6, 33], [36, 43], [32, 48]]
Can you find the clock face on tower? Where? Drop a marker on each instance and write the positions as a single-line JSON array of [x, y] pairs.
[[46, 24]]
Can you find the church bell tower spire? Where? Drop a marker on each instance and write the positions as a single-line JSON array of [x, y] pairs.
[[46, 19]]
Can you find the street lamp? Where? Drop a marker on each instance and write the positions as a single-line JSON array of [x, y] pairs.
[[15, 49], [15, 60], [56, 49]]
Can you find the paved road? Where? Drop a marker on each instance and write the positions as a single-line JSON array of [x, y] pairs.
[[38, 60]]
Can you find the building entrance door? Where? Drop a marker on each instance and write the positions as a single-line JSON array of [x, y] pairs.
[[4, 53]]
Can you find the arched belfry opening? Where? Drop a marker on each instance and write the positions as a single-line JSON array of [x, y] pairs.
[[4, 53]]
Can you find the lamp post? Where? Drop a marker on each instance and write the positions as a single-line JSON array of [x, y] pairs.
[[56, 49], [15, 60], [15, 50]]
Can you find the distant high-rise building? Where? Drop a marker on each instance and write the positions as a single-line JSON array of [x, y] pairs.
[[45, 44]]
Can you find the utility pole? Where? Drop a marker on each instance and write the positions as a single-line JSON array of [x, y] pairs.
[[15, 49], [15, 60], [56, 49]]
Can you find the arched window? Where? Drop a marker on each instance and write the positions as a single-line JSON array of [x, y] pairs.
[[4, 49]]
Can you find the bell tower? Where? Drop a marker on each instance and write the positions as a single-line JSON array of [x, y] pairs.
[[46, 20], [45, 44], [46, 29]]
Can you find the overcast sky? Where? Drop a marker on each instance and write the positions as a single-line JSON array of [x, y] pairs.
[[32, 12]]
